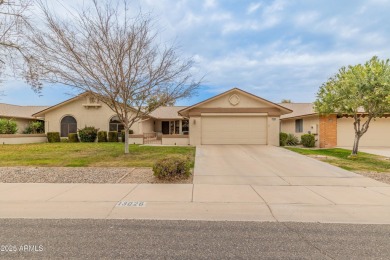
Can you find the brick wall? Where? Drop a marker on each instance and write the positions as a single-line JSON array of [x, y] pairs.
[[328, 131]]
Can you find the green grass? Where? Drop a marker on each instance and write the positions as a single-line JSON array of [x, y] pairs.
[[88, 154], [363, 162]]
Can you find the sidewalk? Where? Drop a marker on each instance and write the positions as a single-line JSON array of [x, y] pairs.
[[306, 203]]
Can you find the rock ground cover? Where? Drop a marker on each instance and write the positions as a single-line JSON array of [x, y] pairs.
[[81, 175]]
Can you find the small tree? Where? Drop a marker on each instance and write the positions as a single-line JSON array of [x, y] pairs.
[[8, 126], [35, 127], [286, 101], [113, 56], [361, 91]]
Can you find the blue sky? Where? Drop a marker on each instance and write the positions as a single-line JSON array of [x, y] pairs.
[[274, 49]]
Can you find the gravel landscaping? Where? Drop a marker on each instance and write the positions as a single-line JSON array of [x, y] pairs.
[[81, 175], [379, 176]]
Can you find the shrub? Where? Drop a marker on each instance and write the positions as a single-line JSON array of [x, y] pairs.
[[308, 140], [8, 126], [113, 136], [123, 134], [73, 138], [172, 167], [35, 127], [292, 140], [283, 139], [88, 134], [102, 136], [53, 137]]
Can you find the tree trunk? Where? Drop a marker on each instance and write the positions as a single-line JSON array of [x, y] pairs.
[[356, 145], [126, 139]]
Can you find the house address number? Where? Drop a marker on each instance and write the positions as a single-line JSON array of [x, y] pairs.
[[136, 204]]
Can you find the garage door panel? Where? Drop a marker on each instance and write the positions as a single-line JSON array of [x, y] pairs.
[[234, 130]]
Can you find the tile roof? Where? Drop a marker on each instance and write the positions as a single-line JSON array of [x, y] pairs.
[[167, 112], [299, 109], [14, 111]]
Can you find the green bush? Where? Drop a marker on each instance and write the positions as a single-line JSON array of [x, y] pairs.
[[73, 138], [53, 137], [308, 140], [123, 134], [292, 140], [113, 136], [283, 139], [88, 134], [172, 167], [102, 136], [35, 127], [8, 126]]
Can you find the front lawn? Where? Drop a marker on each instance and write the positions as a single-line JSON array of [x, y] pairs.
[[87, 154], [364, 162]]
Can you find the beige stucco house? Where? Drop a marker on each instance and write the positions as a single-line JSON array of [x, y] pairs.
[[233, 117], [333, 130]]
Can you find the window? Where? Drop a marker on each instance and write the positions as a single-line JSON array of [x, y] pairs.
[[185, 127], [68, 126], [170, 127], [177, 127], [116, 125], [299, 126]]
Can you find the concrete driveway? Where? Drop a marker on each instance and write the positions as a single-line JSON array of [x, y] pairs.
[[268, 166]]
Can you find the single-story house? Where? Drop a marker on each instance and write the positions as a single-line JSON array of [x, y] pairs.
[[22, 115], [233, 117], [333, 130]]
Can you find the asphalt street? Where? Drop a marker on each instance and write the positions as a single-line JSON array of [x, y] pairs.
[[142, 239]]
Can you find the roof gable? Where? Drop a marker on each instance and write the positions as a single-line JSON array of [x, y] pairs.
[[236, 98], [48, 109]]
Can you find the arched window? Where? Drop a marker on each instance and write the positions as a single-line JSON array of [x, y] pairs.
[[68, 126], [116, 125]]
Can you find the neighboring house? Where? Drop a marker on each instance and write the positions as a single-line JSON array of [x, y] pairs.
[[22, 115], [233, 117], [333, 130]]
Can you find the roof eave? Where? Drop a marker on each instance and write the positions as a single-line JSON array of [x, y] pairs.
[[282, 108]]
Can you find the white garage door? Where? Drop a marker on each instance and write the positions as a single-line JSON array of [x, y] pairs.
[[234, 130]]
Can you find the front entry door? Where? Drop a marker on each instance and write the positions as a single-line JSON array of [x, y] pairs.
[[165, 127]]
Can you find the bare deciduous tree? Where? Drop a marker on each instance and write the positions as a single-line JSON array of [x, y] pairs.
[[13, 22], [113, 55]]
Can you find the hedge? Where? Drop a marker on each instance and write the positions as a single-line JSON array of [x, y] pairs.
[[113, 136], [102, 136], [88, 134], [283, 139], [172, 167], [308, 140], [73, 138], [53, 137]]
